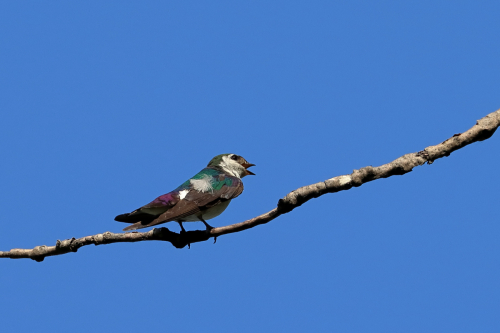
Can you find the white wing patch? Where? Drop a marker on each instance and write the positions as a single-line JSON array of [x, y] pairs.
[[183, 193], [203, 185]]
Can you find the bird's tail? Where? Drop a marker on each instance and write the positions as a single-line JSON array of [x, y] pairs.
[[139, 220], [135, 226], [126, 218]]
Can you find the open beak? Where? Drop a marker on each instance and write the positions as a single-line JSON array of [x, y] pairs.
[[246, 166]]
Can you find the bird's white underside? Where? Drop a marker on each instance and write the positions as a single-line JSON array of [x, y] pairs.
[[209, 213]]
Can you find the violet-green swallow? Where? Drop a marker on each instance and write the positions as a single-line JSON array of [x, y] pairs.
[[201, 198]]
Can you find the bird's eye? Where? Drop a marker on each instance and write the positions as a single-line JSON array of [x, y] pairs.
[[234, 157]]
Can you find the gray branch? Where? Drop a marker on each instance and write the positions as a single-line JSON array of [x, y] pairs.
[[483, 129]]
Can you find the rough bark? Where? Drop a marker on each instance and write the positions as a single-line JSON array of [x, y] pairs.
[[483, 130]]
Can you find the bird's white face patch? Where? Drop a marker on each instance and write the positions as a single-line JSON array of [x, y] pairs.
[[232, 167], [183, 193], [202, 185]]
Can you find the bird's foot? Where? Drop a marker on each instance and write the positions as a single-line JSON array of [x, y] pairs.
[[182, 227], [208, 229], [207, 226]]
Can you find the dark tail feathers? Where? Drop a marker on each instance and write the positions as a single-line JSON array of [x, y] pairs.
[[140, 220]]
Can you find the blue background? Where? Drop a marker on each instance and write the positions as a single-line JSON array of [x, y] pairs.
[[107, 104]]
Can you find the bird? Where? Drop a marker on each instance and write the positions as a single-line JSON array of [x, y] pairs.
[[202, 197]]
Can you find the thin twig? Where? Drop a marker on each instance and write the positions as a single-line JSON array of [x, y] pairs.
[[483, 130]]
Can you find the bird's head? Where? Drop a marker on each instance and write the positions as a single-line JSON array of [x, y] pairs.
[[233, 164]]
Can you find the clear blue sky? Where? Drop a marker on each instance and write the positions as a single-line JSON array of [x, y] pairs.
[[107, 104]]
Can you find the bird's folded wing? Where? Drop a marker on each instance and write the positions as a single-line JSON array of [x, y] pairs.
[[224, 188], [183, 208]]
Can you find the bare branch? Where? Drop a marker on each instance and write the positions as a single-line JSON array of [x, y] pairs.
[[483, 130]]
